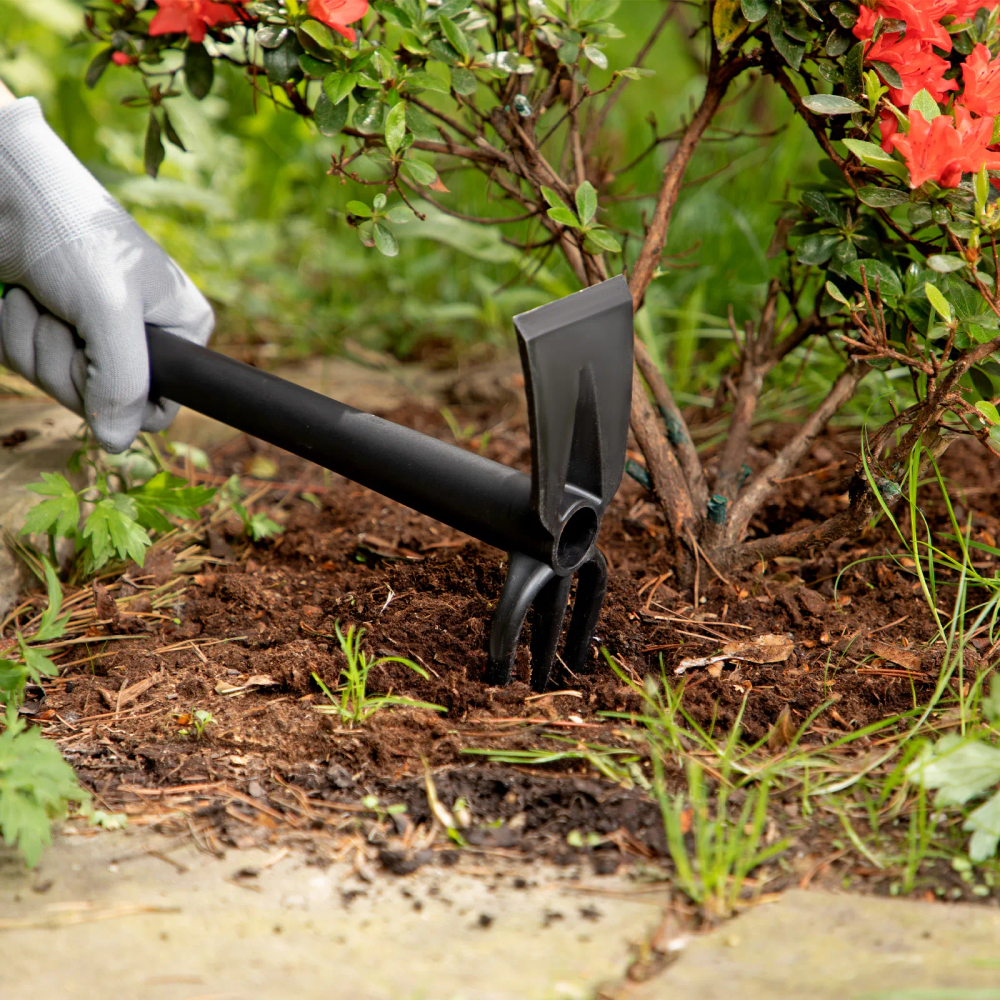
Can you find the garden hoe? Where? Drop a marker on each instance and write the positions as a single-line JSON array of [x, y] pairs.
[[577, 359]]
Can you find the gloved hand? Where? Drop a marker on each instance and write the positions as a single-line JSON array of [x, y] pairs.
[[94, 277]]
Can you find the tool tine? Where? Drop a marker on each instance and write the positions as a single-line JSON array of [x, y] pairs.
[[526, 578], [591, 585], [547, 617]]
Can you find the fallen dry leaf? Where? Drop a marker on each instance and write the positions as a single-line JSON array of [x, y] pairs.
[[896, 654], [782, 732], [767, 648], [255, 681]]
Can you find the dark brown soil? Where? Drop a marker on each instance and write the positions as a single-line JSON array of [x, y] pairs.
[[269, 761]]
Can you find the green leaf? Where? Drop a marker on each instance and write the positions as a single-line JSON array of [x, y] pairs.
[[337, 86], [831, 104], [826, 209], [989, 411], [586, 201], [984, 824], [790, 50], [378, 202], [395, 127], [959, 771], [420, 172], [282, 63], [835, 293], [420, 125], [816, 249], [423, 80], [330, 117], [601, 239], [938, 301], [878, 274], [370, 116], [97, 66], [457, 38], [315, 69], [199, 70], [983, 385], [319, 33], [853, 69], [926, 105], [385, 242], [60, 515], [50, 625], [882, 197], [113, 529], [754, 10], [360, 209], [888, 73], [874, 156], [564, 217], [596, 56], [596, 10], [401, 214], [13, 678], [171, 133], [945, 263], [393, 13], [153, 151], [463, 81], [36, 788], [553, 199]]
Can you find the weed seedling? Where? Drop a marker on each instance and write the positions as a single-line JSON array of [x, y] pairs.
[[351, 700]]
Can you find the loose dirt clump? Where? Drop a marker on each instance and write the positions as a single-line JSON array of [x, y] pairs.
[[255, 624]]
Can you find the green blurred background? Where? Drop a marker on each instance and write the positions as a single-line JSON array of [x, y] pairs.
[[250, 212]]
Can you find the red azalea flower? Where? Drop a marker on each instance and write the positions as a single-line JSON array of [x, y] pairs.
[[338, 14], [982, 82], [914, 59], [889, 127], [122, 59], [975, 135], [191, 17], [921, 16], [932, 150]]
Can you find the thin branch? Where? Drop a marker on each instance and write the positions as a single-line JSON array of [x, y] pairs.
[[757, 492]]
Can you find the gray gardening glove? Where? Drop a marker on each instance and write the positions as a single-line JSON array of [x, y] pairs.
[[94, 277]]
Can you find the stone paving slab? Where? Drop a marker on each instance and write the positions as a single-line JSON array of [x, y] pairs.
[[298, 931], [819, 945]]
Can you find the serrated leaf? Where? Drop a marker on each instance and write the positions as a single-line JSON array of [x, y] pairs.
[[385, 242], [395, 127], [831, 104], [199, 70], [938, 301], [586, 201], [97, 66], [564, 217], [112, 528], [50, 625], [330, 118], [959, 771], [58, 516], [926, 105], [601, 239]]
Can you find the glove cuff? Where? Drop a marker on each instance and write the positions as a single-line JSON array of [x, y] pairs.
[[47, 197]]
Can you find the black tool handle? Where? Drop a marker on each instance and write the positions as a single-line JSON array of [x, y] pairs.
[[473, 494]]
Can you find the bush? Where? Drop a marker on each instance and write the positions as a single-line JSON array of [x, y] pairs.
[[887, 263]]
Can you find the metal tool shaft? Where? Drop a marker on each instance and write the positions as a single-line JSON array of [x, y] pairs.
[[472, 494]]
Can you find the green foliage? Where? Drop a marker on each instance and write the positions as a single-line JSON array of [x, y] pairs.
[[200, 720], [36, 787], [257, 525], [351, 702], [127, 505]]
